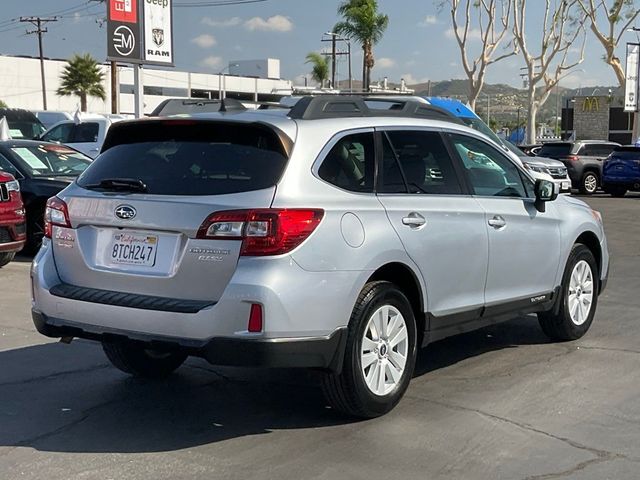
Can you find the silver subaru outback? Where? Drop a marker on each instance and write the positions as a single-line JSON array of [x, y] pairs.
[[338, 235]]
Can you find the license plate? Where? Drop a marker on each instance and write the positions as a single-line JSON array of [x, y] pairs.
[[133, 249], [566, 185]]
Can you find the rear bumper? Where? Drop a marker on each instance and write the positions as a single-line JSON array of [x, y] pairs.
[[324, 352], [628, 182]]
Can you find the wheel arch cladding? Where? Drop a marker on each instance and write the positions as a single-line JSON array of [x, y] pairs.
[[590, 240], [407, 281]]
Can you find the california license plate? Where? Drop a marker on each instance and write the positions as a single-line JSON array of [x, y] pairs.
[[133, 249]]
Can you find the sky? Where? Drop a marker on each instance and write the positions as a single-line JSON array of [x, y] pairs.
[[418, 45]]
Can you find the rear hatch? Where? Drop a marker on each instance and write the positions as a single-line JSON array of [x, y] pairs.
[[137, 211], [623, 163]]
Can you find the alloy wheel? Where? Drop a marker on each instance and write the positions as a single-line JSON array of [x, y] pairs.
[[580, 292], [385, 348], [590, 183]]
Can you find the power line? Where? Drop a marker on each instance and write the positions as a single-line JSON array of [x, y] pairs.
[[214, 3], [38, 22]]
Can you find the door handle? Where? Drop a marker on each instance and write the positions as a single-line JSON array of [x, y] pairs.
[[414, 220], [497, 222]]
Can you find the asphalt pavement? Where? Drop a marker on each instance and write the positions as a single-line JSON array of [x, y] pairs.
[[499, 403]]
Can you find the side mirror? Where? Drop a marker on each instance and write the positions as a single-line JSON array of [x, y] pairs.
[[546, 191]]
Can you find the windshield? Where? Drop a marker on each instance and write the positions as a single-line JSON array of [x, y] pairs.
[[514, 149], [25, 129], [51, 160], [482, 127]]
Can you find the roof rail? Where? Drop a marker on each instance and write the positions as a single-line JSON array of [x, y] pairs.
[[339, 106], [177, 106]]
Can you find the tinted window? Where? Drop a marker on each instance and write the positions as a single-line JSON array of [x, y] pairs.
[[85, 133], [190, 158], [554, 150], [425, 164], [7, 166], [489, 172], [351, 163], [61, 133], [626, 153], [589, 150]]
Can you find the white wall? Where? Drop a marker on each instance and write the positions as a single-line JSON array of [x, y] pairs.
[[20, 85]]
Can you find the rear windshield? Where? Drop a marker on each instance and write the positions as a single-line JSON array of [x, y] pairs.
[[51, 160], [554, 150], [190, 158]]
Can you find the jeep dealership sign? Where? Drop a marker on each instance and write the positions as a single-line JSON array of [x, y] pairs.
[[631, 84], [158, 37], [140, 31]]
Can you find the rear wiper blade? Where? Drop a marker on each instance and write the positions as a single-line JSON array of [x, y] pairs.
[[120, 185]]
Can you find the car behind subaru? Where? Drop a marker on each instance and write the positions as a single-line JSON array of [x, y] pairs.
[[621, 171], [12, 219]]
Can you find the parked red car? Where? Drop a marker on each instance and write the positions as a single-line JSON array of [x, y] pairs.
[[12, 219]]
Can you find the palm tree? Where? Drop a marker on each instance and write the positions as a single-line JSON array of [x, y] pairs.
[[82, 77], [320, 70], [364, 24]]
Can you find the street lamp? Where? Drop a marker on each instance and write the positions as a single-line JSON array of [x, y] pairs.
[[222, 92]]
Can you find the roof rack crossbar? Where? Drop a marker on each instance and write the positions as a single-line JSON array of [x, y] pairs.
[[353, 106]]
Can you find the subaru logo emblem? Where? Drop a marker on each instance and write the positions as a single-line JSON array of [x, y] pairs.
[[125, 212]]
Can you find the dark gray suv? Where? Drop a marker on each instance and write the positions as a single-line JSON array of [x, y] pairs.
[[583, 158]]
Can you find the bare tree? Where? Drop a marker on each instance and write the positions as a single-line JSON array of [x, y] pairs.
[[562, 27], [617, 13], [492, 18]]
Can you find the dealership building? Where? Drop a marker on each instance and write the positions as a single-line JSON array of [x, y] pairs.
[[597, 117], [21, 87]]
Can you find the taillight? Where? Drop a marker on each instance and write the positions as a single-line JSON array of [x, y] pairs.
[[573, 158], [263, 232], [56, 213]]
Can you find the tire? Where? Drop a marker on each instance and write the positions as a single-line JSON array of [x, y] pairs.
[[571, 322], [35, 231], [589, 183], [348, 391], [140, 362], [6, 258]]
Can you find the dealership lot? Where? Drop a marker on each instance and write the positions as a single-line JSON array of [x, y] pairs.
[[501, 402]]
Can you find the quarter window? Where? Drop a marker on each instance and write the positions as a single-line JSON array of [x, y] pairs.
[[350, 164], [490, 173], [417, 162]]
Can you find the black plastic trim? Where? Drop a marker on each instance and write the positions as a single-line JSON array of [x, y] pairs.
[[440, 327], [129, 300], [325, 352]]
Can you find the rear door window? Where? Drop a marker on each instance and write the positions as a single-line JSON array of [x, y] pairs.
[[417, 162], [190, 157], [61, 133], [85, 133]]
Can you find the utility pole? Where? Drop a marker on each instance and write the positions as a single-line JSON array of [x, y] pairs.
[[335, 38], [38, 22]]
